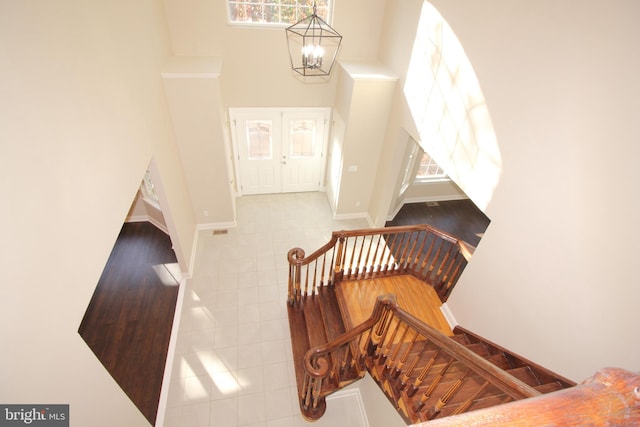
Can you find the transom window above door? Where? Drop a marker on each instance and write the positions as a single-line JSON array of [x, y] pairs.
[[276, 13]]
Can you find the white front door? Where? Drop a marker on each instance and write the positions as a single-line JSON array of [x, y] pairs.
[[258, 148], [302, 149], [279, 150]]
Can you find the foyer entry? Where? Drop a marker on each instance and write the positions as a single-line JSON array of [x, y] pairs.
[[279, 150]]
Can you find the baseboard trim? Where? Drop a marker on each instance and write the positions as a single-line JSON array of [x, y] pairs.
[[196, 236], [448, 314], [171, 353], [147, 218], [358, 215], [215, 226], [424, 200]]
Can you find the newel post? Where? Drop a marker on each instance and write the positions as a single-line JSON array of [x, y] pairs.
[[338, 268], [382, 310], [295, 257]]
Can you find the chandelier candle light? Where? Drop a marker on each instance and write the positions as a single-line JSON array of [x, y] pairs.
[[313, 45]]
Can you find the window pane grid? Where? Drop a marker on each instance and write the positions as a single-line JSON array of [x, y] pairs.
[[429, 168], [279, 12]]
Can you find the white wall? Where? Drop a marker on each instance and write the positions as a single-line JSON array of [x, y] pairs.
[[143, 210], [433, 190], [193, 91], [83, 113], [554, 277], [364, 99], [256, 66], [380, 411]]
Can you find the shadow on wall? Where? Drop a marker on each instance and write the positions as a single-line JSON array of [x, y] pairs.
[[447, 105]]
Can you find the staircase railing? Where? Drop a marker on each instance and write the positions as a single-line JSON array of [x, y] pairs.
[[610, 398], [429, 254], [418, 365]]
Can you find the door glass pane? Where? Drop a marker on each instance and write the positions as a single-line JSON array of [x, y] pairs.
[[302, 138], [259, 144]]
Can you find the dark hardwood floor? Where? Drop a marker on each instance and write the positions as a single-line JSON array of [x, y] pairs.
[[128, 321], [462, 218]]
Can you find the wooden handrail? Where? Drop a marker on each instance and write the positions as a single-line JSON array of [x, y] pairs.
[[503, 380], [384, 331], [317, 361], [384, 302], [610, 398], [431, 255]]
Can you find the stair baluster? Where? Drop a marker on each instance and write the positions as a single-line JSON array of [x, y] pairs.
[[467, 403], [390, 360], [444, 399], [395, 373], [434, 383], [423, 374]]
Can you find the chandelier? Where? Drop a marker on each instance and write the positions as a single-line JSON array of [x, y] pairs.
[[313, 45]]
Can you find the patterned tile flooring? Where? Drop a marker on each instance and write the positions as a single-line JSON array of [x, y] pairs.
[[233, 363]]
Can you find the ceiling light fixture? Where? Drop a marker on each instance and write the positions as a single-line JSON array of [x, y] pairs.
[[313, 45]]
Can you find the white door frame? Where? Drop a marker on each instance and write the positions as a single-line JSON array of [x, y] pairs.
[[235, 113]]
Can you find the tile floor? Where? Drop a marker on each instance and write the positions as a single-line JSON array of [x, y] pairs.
[[233, 363]]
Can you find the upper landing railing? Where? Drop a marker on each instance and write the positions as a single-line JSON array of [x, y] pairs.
[[425, 252]]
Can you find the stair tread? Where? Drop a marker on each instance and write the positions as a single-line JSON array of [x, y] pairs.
[[480, 403], [331, 315], [549, 387], [499, 360], [525, 375], [514, 360], [319, 319], [460, 338], [465, 392], [299, 342], [314, 321], [478, 348]]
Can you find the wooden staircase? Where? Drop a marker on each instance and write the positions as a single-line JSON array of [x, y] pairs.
[[422, 378], [439, 385], [425, 374], [313, 323], [525, 370]]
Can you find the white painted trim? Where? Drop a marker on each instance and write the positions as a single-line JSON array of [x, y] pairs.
[[370, 221], [352, 392], [194, 250], [192, 67], [435, 198], [395, 212], [190, 75], [147, 218], [424, 200], [137, 218], [216, 226], [448, 314], [331, 199], [171, 351], [232, 116], [357, 215]]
